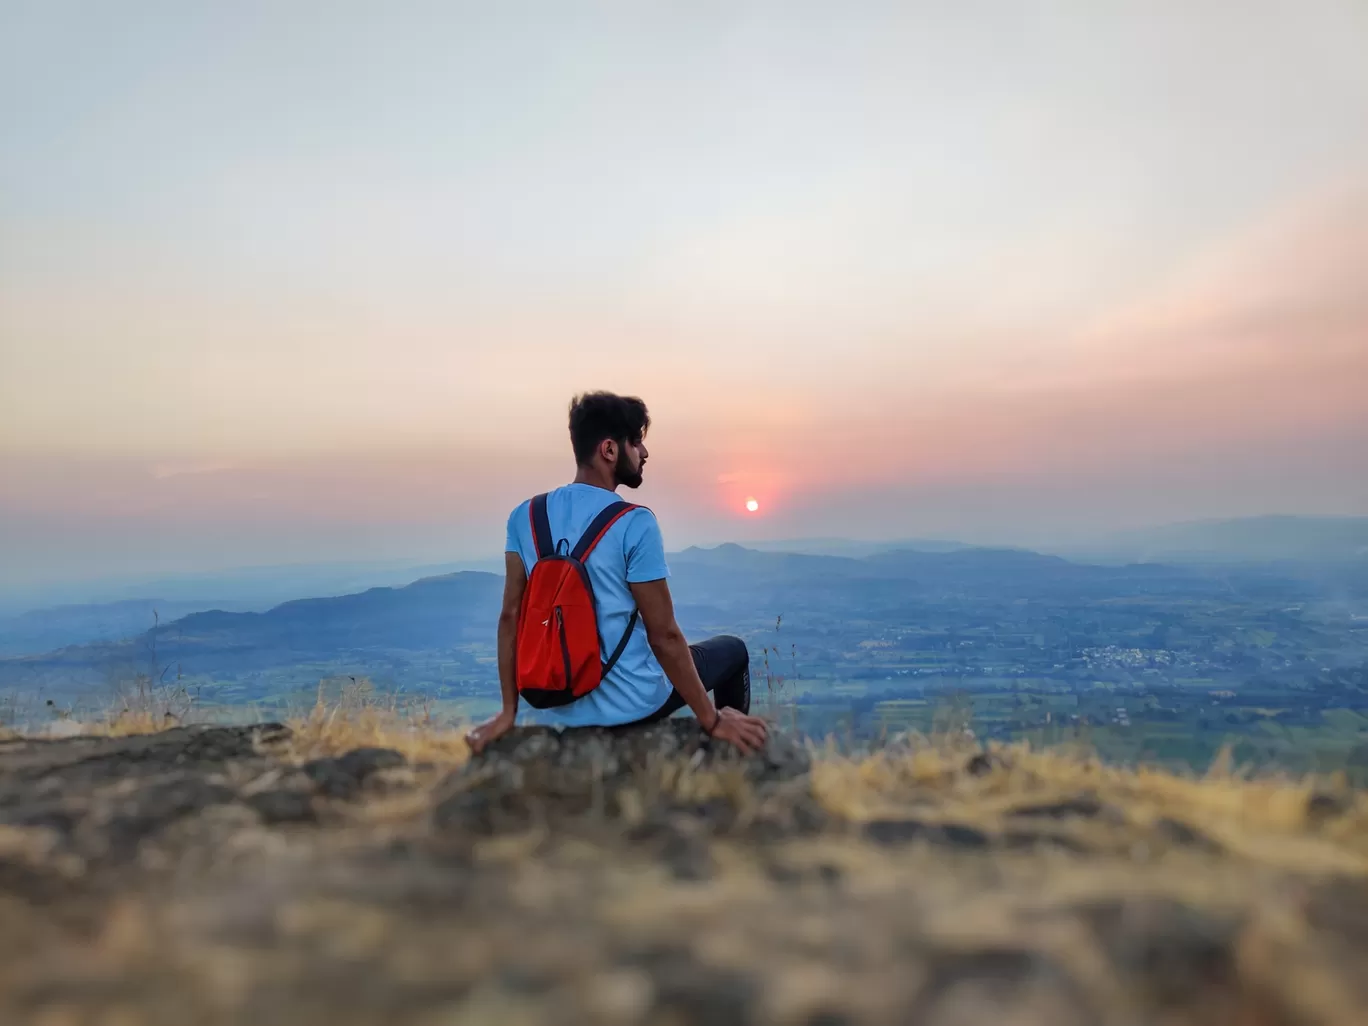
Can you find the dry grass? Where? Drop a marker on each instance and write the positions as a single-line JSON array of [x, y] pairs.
[[127, 722], [333, 730], [354, 717], [406, 904], [1273, 819], [339, 721], [1277, 819]]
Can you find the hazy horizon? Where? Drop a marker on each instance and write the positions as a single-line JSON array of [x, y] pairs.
[[316, 283], [265, 584]]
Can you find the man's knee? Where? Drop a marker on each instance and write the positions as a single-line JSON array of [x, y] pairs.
[[734, 651], [721, 657]]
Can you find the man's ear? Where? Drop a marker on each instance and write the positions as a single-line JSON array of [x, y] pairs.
[[608, 450]]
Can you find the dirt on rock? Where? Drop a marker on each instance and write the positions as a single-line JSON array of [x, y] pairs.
[[211, 875]]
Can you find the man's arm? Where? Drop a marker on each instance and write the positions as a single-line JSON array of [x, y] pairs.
[[515, 582], [671, 648], [672, 651]]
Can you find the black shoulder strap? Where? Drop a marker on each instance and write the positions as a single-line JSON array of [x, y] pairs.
[[541, 527], [621, 645], [598, 527], [606, 518]]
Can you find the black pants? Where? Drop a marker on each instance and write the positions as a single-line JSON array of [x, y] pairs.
[[723, 664]]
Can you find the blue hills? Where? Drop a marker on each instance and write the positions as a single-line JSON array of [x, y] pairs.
[[441, 628], [719, 587]]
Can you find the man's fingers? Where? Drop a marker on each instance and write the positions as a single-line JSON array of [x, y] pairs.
[[747, 734], [737, 739], [479, 738], [747, 740]]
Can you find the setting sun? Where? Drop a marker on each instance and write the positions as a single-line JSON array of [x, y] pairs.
[[752, 505]]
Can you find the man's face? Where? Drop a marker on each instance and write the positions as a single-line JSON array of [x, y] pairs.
[[630, 463]]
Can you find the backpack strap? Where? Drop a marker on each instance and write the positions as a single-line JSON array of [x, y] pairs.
[[598, 527], [621, 645], [541, 527], [593, 534]]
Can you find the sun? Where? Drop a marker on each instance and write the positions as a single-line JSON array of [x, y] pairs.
[[752, 506]]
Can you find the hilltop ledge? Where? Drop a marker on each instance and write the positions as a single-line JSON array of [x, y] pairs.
[[257, 875]]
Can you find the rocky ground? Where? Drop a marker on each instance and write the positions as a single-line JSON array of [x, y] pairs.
[[216, 875]]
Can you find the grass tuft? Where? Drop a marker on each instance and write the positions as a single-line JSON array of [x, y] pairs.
[[332, 730], [944, 778], [1260, 817]]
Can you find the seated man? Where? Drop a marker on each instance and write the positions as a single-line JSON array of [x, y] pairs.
[[656, 672]]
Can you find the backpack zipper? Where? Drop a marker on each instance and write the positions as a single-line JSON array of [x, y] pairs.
[[565, 648]]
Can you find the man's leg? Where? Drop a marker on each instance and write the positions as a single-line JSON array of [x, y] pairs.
[[723, 664]]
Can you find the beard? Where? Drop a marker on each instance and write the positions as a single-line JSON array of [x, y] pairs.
[[623, 474]]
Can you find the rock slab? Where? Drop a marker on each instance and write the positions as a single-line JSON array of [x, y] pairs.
[[204, 875]]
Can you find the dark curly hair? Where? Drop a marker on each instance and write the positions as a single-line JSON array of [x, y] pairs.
[[595, 416]]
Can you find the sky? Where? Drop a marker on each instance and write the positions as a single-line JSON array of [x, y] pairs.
[[315, 281]]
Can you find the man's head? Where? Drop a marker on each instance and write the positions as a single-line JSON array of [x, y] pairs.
[[608, 433]]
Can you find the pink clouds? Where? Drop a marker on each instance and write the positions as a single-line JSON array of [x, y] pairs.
[[1266, 338], [1245, 368]]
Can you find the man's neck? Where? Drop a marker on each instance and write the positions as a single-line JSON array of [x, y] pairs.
[[596, 477]]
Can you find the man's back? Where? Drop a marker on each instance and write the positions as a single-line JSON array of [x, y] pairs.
[[658, 672], [631, 551]]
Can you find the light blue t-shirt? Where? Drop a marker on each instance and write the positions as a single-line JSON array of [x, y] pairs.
[[631, 550]]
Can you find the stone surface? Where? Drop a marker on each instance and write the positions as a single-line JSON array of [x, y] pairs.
[[647, 877]]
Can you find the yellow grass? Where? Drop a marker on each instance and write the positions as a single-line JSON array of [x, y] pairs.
[[1263, 817], [353, 719], [1266, 818], [127, 722], [329, 731]]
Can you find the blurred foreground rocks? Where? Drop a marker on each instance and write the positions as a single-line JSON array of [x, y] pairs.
[[205, 875]]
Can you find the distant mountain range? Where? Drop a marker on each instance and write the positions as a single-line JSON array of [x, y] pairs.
[[43, 630], [1266, 539], [855, 549], [250, 587], [724, 588], [438, 612], [345, 593]]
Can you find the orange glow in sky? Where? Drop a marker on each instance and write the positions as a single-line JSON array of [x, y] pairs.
[[324, 292]]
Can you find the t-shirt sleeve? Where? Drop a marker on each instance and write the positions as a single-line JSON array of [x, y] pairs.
[[645, 548], [516, 520]]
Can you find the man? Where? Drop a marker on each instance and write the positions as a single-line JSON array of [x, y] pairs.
[[658, 672]]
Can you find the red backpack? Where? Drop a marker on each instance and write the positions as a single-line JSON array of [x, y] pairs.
[[558, 653]]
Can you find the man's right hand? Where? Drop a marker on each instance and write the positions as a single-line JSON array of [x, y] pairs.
[[747, 733], [491, 730]]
